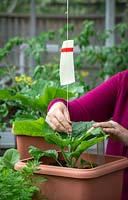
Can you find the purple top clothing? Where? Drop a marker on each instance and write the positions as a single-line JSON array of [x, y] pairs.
[[107, 101]]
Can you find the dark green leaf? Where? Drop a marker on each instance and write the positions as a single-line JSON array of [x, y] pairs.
[[38, 153]]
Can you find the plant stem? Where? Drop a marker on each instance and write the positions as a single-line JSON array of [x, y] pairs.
[[65, 157], [59, 163]]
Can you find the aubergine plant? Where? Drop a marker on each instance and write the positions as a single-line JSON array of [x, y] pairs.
[[71, 146]]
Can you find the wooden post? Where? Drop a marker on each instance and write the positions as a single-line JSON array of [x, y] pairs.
[[33, 19], [110, 21], [32, 32], [109, 24]]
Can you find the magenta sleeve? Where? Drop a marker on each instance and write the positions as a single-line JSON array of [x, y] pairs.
[[97, 105], [55, 101]]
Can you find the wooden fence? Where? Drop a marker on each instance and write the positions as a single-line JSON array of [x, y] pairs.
[[19, 25]]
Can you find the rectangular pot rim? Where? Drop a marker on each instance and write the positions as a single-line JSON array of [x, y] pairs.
[[118, 165]]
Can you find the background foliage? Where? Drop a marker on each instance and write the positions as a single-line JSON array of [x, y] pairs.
[[77, 7]]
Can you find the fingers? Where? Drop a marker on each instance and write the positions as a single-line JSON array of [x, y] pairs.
[[55, 124], [110, 127], [58, 122], [58, 118], [109, 124], [66, 122]]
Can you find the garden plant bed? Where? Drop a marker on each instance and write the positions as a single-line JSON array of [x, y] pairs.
[[101, 182]]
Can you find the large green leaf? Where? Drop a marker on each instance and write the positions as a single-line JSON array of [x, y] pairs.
[[55, 138], [81, 127], [52, 93], [32, 127]]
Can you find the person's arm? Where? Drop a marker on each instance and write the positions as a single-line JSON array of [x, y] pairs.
[[97, 105]]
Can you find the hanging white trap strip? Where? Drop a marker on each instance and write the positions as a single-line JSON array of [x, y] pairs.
[[67, 74]]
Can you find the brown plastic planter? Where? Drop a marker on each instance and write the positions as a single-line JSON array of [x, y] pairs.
[[100, 183], [23, 142]]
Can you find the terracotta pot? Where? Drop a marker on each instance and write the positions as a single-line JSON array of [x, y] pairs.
[[23, 142], [100, 183]]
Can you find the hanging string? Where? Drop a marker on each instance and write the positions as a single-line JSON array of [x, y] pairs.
[[67, 14]]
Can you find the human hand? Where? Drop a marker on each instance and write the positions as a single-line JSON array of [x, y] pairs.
[[115, 130], [58, 118]]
